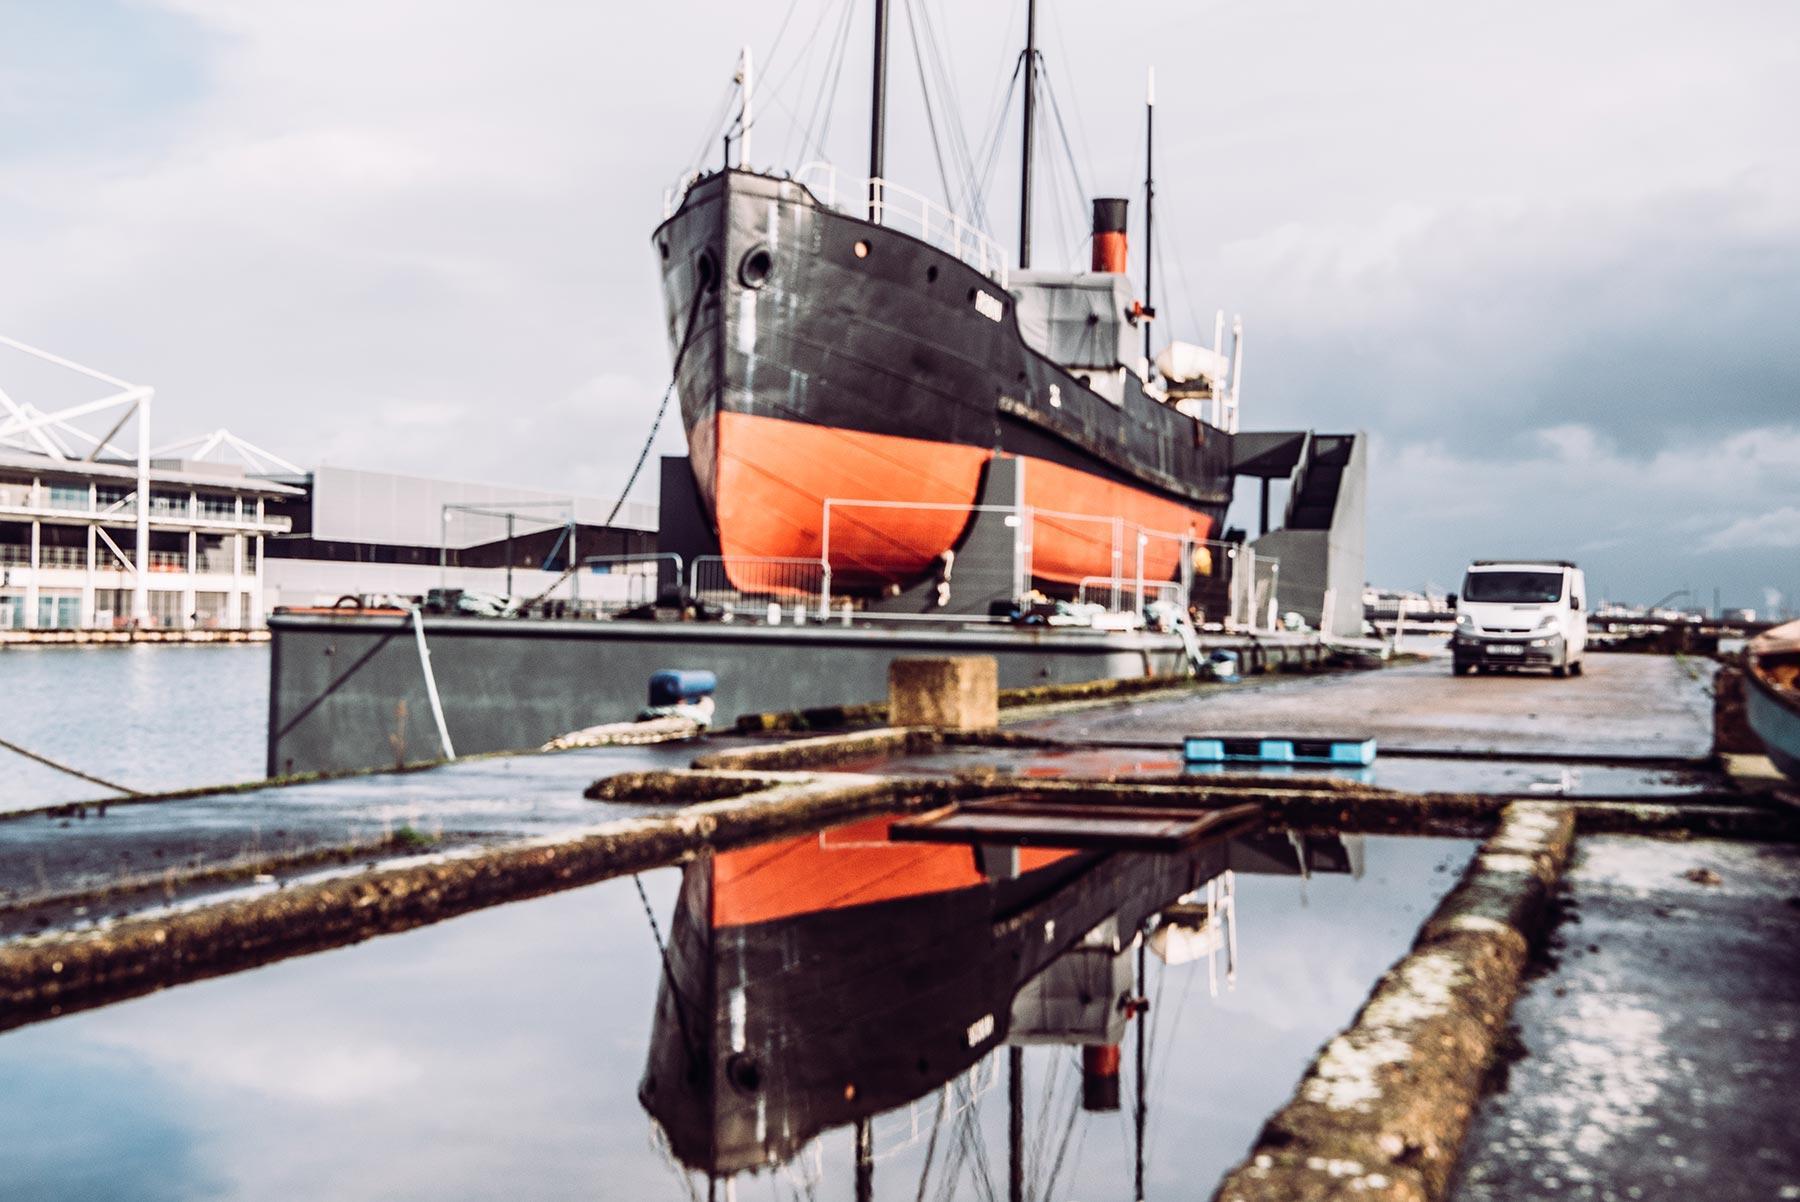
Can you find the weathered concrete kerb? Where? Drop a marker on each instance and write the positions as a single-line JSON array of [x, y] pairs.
[[40, 978], [1383, 1110]]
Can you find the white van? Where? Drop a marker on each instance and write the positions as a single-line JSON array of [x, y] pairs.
[[1521, 613]]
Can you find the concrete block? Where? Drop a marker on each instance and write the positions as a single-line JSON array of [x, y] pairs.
[[956, 692]]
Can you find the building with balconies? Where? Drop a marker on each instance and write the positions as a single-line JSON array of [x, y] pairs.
[[69, 543]]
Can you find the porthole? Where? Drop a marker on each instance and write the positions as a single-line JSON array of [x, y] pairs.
[[743, 1072], [862, 249], [931, 274], [664, 247], [756, 266], [706, 272]]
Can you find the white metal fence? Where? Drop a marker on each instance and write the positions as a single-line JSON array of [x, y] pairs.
[[615, 583], [749, 585], [1255, 589], [1232, 586]]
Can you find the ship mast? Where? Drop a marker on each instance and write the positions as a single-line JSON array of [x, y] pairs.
[[1030, 125], [1149, 202], [878, 112]]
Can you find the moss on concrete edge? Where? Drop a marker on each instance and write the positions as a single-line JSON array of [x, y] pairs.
[[1383, 1110]]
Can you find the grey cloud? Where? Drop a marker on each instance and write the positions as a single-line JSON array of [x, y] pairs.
[[415, 235]]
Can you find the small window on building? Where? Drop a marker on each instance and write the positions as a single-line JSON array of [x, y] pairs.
[[169, 504], [58, 610], [68, 496], [211, 611], [216, 553], [213, 505], [165, 610]]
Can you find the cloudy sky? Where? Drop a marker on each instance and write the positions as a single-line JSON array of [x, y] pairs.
[[1546, 254]]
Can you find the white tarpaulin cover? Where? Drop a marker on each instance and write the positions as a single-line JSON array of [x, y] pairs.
[[1076, 320]]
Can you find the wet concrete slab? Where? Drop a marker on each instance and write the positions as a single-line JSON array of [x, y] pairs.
[[477, 801], [1520, 778], [1624, 705], [1660, 1049]]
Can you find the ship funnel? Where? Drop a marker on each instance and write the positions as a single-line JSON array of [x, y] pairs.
[[1109, 234], [1100, 1074]]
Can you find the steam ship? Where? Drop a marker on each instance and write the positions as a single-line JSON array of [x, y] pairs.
[[853, 343]]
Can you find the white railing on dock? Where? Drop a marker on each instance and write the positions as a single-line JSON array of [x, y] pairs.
[[1105, 590], [757, 586], [632, 581], [1255, 583], [1248, 581], [1242, 595]]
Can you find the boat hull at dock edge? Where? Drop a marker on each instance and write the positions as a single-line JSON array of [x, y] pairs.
[[1772, 695], [826, 357]]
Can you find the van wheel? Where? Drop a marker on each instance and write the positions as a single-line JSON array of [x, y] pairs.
[[1575, 668], [1559, 671], [1459, 668]]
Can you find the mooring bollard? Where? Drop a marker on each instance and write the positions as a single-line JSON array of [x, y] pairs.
[[959, 692]]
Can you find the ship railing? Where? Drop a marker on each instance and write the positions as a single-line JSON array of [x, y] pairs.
[[910, 212], [672, 196], [773, 588], [927, 1117]]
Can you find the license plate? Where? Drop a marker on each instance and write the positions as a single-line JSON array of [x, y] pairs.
[[1506, 649]]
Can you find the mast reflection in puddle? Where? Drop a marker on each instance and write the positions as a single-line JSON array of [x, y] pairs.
[[840, 980]]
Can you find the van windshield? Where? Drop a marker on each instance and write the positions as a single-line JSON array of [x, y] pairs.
[[1516, 588]]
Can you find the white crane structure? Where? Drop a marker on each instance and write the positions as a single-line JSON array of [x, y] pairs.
[[55, 434]]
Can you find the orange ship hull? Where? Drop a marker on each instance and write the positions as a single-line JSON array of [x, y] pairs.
[[900, 503]]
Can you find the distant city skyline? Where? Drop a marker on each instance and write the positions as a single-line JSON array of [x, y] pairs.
[[1547, 256]]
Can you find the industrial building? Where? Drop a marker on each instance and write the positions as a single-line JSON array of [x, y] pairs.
[[98, 529], [70, 556], [357, 533]]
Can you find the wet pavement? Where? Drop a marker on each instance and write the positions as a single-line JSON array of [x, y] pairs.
[[1527, 778], [506, 1053], [1623, 705], [1660, 1048], [179, 850], [478, 801]]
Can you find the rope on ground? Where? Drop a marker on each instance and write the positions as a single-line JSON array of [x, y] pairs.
[[75, 772], [669, 729]]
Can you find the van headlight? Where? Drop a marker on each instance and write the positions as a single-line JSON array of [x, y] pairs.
[[1548, 622], [1465, 623]]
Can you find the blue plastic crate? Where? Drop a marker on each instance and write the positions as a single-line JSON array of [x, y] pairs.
[[1356, 751]]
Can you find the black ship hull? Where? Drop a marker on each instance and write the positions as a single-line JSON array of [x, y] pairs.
[[824, 357]]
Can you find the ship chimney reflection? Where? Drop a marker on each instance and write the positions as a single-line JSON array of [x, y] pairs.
[[819, 982]]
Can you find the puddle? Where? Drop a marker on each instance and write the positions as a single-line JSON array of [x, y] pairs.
[[821, 995]]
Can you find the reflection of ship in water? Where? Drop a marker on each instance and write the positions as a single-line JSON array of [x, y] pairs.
[[817, 982]]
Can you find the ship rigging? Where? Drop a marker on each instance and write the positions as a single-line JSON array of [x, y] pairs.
[[855, 359]]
